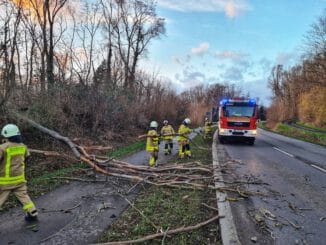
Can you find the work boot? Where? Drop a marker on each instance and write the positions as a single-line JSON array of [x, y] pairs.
[[31, 216]]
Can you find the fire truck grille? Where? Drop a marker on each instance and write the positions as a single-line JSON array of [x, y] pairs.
[[238, 124], [237, 133]]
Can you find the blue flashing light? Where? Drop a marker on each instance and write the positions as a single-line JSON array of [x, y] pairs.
[[252, 101], [224, 101]]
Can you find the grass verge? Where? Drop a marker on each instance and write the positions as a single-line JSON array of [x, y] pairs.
[[313, 137], [297, 133], [170, 208], [306, 125]]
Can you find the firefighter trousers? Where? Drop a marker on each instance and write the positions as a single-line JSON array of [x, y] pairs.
[[21, 193]]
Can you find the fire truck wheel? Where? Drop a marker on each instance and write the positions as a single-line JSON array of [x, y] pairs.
[[221, 140], [251, 142]]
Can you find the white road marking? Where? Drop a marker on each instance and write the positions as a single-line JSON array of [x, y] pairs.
[[284, 152], [319, 168]]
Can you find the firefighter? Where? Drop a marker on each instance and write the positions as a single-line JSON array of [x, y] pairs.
[[167, 133], [12, 175], [208, 128], [183, 139], [152, 143]]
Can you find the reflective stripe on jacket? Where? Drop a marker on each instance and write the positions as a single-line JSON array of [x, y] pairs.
[[152, 142], [12, 165], [167, 130], [184, 133], [208, 127]]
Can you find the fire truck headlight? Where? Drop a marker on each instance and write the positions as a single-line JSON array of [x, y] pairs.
[[222, 130], [254, 131]]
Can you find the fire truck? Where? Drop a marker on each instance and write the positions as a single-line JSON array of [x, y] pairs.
[[237, 120]]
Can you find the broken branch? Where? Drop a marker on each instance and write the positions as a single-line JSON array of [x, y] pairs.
[[166, 233]]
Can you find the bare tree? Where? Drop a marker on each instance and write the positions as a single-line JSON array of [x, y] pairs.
[[46, 13], [8, 47], [134, 24]]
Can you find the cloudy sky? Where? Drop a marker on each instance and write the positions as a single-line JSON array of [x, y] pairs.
[[235, 41]]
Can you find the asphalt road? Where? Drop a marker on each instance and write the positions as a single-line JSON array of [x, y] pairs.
[[293, 177]]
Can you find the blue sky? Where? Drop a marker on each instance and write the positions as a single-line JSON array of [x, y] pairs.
[[235, 41]]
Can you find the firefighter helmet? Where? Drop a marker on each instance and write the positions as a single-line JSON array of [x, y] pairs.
[[187, 121], [153, 124], [10, 130]]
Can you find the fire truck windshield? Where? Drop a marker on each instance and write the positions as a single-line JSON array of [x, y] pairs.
[[239, 111]]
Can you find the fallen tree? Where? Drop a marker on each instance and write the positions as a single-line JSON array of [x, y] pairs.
[[188, 175]]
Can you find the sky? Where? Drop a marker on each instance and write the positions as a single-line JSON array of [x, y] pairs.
[[233, 41]]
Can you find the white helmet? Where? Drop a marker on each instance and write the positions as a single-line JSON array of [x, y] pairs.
[[165, 122], [187, 121], [10, 130], [153, 124]]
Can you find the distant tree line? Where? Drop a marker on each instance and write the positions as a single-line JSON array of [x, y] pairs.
[[299, 93], [76, 68]]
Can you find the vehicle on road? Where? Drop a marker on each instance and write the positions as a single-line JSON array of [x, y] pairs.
[[238, 120]]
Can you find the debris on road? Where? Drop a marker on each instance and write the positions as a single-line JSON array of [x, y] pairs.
[[254, 239]]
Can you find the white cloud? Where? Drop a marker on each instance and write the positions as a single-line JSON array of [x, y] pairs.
[[285, 59], [182, 60], [266, 65], [189, 79], [258, 88], [229, 54], [201, 49], [233, 74], [231, 8]]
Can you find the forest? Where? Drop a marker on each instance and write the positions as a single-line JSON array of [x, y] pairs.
[[299, 92], [74, 67]]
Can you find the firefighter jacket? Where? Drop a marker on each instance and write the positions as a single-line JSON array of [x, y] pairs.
[[167, 132], [12, 164], [208, 127], [152, 141], [184, 132]]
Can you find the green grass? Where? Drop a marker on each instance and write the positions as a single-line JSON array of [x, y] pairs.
[[170, 208], [313, 137], [306, 125], [262, 124], [128, 149]]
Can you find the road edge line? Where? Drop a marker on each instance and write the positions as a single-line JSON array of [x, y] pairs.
[[229, 233]]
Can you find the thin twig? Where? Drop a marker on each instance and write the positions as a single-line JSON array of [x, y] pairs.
[[140, 212], [210, 207], [62, 210], [294, 225], [165, 233], [77, 179]]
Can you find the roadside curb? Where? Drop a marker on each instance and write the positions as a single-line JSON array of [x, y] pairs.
[[229, 233]]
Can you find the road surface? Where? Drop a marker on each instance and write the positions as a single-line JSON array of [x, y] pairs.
[[293, 175]]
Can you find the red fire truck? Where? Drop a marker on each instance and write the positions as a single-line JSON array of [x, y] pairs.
[[238, 120]]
